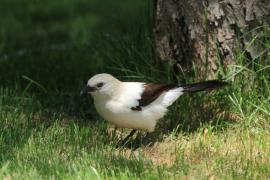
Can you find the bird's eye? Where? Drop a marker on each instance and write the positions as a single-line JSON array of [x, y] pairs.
[[99, 85]]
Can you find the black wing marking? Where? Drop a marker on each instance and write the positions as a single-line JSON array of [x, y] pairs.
[[151, 92]]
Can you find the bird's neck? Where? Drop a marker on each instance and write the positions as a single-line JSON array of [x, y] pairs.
[[109, 94]]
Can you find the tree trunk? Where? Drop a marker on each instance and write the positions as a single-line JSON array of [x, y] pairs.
[[205, 33]]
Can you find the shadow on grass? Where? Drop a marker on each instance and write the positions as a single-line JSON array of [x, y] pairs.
[[48, 77], [189, 114], [47, 54], [49, 50]]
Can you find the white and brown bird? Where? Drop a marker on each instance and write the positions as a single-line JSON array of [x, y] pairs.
[[137, 105]]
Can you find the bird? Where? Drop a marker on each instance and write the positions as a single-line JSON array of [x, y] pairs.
[[137, 105]]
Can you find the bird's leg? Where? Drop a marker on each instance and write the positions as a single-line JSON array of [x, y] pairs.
[[128, 136], [113, 133]]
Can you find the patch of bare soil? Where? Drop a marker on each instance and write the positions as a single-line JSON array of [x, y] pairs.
[[160, 153]]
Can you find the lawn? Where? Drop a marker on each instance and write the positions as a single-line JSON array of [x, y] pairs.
[[49, 49]]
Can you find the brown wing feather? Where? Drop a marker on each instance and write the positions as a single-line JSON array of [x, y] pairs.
[[151, 92]]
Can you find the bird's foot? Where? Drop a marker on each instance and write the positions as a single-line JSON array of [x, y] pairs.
[[126, 140]]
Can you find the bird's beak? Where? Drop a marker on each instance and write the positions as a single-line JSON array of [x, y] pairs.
[[87, 90]]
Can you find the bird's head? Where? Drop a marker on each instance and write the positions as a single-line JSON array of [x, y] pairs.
[[101, 85]]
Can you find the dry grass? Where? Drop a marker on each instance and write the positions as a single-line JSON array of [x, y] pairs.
[[236, 151]]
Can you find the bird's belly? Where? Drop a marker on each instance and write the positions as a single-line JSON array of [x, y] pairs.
[[126, 118]]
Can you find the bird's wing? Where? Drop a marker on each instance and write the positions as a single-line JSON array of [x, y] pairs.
[[151, 91]]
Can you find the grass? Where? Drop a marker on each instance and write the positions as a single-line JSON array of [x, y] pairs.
[[49, 50]]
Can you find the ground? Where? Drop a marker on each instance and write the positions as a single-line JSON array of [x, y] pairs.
[[49, 49]]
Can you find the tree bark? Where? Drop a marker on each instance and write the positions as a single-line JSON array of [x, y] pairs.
[[205, 33]]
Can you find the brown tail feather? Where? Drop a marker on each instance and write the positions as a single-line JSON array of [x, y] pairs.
[[201, 86]]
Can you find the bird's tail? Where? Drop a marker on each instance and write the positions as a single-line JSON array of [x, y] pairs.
[[201, 86]]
